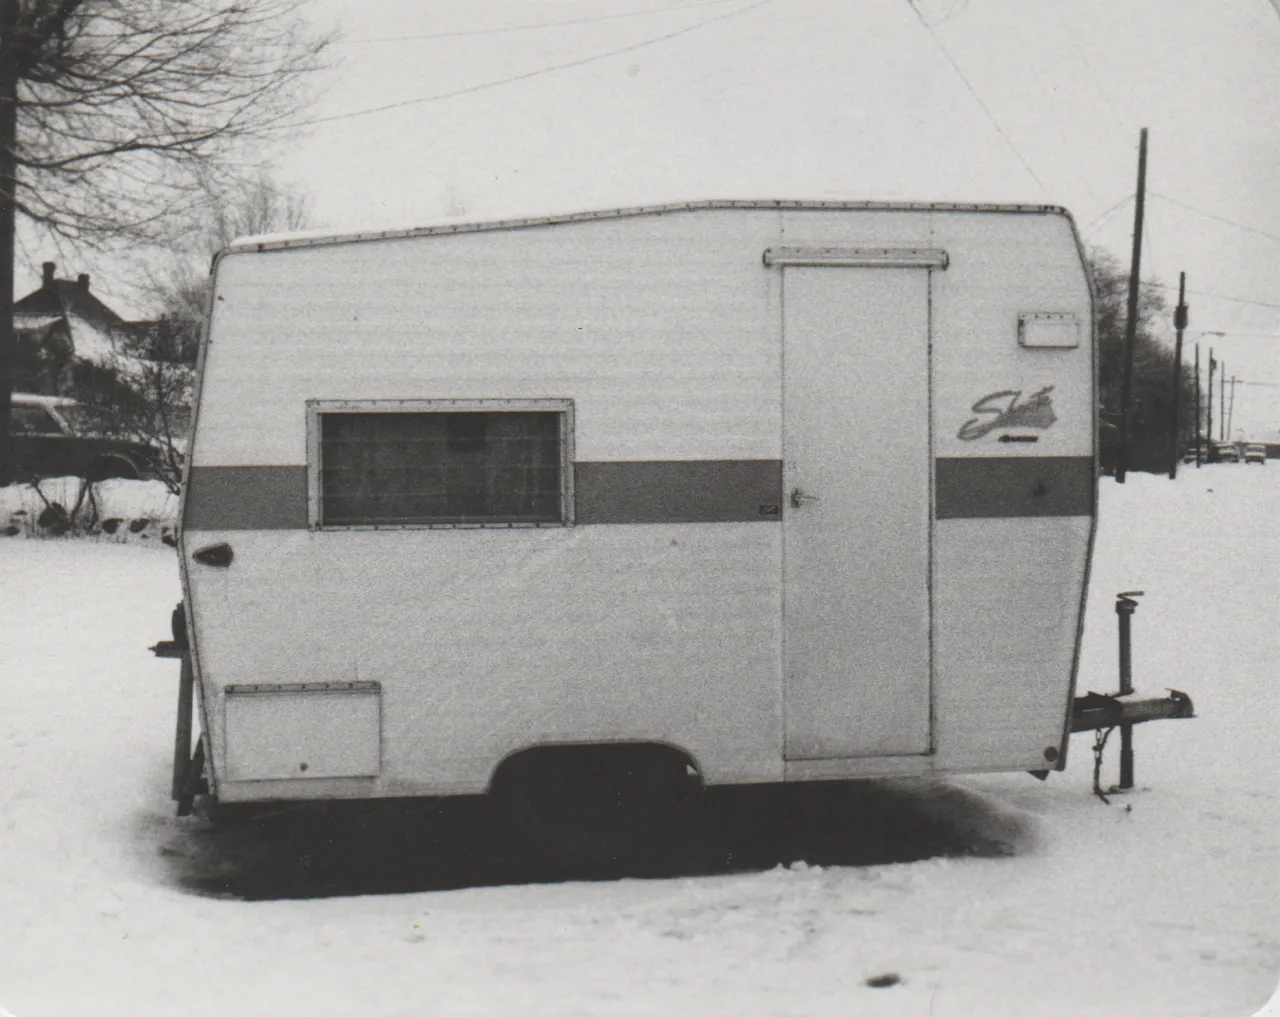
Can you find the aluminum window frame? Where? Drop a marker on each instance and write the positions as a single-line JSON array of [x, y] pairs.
[[316, 408]]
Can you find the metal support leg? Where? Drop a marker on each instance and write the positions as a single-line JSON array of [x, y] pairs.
[[182, 737], [193, 784], [1125, 606], [1126, 757]]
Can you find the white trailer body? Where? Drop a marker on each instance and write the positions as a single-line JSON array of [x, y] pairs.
[[801, 490]]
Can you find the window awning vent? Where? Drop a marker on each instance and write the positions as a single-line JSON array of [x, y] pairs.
[[858, 257]]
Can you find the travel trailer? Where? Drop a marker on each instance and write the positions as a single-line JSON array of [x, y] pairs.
[[727, 492]]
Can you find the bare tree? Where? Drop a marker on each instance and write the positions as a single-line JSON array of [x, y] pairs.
[[143, 393], [1152, 392], [112, 112], [256, 204]]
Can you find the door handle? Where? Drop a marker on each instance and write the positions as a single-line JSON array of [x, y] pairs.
[[798, 497]]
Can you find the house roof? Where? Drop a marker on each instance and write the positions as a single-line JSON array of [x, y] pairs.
[[69, 296], [94, 327]]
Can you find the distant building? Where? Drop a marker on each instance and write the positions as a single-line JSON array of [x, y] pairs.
[[62, 329]]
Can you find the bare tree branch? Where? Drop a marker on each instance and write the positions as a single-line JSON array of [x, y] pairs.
[[124, 106], [143, 394]]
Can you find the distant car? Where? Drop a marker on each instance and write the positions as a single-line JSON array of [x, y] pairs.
[[48, 441], [1189, 456], [1225, 452], [1254, 453]]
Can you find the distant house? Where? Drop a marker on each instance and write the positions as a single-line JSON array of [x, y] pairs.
[[58, 323], [44, 353], [63, 329]]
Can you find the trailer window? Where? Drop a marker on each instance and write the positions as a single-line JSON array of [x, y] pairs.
[[400, 467]]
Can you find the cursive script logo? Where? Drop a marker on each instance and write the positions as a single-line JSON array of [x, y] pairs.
[[1002, 409]]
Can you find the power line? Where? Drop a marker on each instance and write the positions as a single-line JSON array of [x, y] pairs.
[[1211, 215], [528, 28], [1084, 59], [978, 99], [1233, 300], [483, 86], [954, 9], [1218, 296], [1101, 220]]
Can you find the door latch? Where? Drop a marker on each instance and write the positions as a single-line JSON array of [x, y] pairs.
[[798, 497]]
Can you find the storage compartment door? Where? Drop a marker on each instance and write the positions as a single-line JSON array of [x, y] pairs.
[[857, 526], [303, 731]]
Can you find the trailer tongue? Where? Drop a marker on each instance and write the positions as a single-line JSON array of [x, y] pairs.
[[1094, 711]]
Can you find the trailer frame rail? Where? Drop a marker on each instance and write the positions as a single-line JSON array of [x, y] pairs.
[[1096, 710]]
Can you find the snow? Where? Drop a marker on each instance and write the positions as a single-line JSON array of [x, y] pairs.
[[992, 895], [100, 346], [23, 320], [143, 510], [91, 341]]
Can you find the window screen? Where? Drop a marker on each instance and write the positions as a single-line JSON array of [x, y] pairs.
[[440, 467]]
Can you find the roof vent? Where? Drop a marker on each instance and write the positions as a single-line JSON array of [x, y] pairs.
[[82, 280], [48, 267]]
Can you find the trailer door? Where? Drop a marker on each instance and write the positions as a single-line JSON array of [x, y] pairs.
[[856, 551]]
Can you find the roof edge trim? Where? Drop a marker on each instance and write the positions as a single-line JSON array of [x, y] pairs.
[[280, 243]]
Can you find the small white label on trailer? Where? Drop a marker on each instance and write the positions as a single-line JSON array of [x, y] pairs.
[[1048, 329]]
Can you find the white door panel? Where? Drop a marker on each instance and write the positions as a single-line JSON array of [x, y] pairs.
[[856, 559]]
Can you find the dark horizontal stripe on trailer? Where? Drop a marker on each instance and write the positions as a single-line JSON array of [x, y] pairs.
[[246, 498], [686, 491], [975, 488], [699, 491]]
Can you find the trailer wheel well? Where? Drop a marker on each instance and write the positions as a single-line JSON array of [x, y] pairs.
[[655, 760], [597, 804]]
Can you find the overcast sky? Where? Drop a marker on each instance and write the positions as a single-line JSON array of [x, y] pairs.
[[993, 100], [519, 107]]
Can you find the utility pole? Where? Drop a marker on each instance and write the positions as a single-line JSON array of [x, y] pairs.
[[1208, 422], [1222, 402], [1231, 411], [1199, 441], [1180, 323], [1131, 325]]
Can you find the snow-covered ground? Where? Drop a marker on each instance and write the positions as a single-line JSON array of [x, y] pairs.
[[993, 895], [115, 511]]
